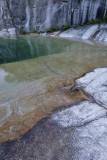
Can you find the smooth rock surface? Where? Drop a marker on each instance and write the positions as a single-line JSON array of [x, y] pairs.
[[96, 32], [11, 32], [78, 132], [90, 142], [51, 141], [42, 14], [79, 115], [95, 84]]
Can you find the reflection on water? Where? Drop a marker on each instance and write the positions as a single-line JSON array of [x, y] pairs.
[[12, 50], [31, 89]]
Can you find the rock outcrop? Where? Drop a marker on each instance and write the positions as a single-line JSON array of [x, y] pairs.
[[97, 32], [78, 132], [95, 84], [42, 14]]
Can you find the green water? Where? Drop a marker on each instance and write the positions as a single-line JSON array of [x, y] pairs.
[[38, 57], [12, 50]]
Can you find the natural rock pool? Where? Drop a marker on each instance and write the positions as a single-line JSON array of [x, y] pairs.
[[36, 75]]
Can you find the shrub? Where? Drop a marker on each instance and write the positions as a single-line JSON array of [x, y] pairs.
[[40, 32], [56, 28], [22, 31], [34, 30], [65, 27], [49, 30], [95, 21], [105, 19], [76, 26]]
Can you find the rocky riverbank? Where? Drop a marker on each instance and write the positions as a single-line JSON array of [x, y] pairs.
[[75, 133], [97, 32]]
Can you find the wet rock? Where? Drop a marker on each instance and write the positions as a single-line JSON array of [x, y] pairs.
[[95, 84], [43, 142]]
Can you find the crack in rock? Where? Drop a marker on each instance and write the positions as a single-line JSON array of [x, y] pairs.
[[94, 84]]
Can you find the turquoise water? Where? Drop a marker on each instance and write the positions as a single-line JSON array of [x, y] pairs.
[[31, 58], [12, 50]]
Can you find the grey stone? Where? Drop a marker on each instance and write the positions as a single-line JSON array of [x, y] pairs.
[[95, 84], [75, 133], [90, 142], [96, 32], [78, 115], [11, 32], [42, 14]]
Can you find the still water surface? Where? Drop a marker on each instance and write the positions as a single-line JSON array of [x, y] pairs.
[[36, 74]]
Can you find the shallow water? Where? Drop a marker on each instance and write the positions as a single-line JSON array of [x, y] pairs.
[[36, 74]]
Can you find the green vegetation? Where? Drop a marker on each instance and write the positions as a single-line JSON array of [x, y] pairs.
[[49, 30], [76, 26], [22, 31], [105, 19], [40, 32], [65, 27], [57, 28], [98, 21], [95, 21], [34, 30]]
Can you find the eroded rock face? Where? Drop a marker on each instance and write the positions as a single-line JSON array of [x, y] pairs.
[[42, 14]]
